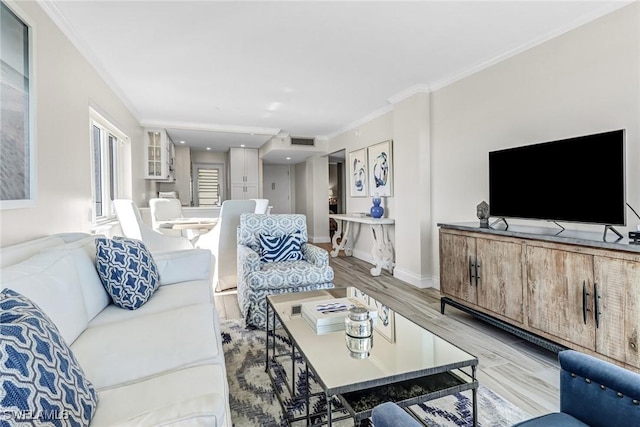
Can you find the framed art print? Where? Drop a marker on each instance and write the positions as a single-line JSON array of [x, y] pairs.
[[381, 169], [386, 324], [358, 173]]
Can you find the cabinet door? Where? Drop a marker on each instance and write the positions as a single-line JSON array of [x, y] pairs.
[[236, 166], [251, 191], [251, 167], [238, 192], [618, 284], [555, 294], [456, 275], [153, 155], [500, 284]]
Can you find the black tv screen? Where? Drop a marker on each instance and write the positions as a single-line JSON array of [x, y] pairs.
[[578, 179]]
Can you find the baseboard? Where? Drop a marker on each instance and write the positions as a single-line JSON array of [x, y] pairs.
[[320, 239], [414, 279], [406, 276]]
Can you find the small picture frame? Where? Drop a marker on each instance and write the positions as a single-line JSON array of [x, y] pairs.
[[381, 169], [386, 325], [358, 173], [359, 295]]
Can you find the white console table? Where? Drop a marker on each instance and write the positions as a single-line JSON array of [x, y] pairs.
[[382, 250]]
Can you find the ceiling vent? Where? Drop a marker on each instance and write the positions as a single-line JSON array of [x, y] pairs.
[[303, 141]]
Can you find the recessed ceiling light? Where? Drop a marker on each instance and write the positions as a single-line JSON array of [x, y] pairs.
[[288, 158], [208, 148], [241, 145], [181, 142]]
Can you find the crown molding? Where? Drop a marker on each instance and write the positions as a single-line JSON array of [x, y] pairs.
[[604, 10], [408, 92], [374, 115], [89, 55], [210, 127]]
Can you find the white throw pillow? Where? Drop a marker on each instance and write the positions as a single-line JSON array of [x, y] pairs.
[[50, 280]]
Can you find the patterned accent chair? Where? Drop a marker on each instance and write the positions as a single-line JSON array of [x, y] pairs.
[[258, 279]]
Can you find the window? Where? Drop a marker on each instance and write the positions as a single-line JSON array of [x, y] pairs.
[[106, 146], [17, 124], [207, 184]]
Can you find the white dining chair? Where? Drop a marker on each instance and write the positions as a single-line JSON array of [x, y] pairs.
[[262, 206], [162, 209], [133, 227], [222, 241]]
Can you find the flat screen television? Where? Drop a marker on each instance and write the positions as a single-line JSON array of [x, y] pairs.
[[578, 179]]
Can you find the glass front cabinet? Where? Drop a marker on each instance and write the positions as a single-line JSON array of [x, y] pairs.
[[159, 155]]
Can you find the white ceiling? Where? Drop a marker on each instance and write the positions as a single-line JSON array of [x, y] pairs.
[[303, 68]]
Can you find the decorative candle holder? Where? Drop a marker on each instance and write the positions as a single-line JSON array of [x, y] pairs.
[[358, 326]]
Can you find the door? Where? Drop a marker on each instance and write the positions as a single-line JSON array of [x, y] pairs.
[[276, 188], [456, 275], [618, 285], [558, 283], [500, 284]]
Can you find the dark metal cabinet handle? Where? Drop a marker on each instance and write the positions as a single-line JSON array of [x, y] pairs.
[[470, 271], [477, 272], [596, 308], [584, 301]]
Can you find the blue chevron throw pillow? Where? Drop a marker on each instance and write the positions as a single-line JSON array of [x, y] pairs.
[[127, 271], [41, 382], [280, 248]]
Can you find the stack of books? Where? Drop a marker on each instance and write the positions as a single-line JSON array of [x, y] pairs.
[[328, 315]]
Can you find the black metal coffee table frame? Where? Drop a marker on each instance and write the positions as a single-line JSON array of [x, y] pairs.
[[357, 400]]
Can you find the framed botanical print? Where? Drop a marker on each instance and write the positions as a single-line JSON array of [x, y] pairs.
[[381, 169], [358, 173]]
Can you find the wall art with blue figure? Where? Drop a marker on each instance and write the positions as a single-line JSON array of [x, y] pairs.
[[381, 169], [358, 173]]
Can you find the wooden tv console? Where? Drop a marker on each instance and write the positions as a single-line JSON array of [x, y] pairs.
[[557, 288]]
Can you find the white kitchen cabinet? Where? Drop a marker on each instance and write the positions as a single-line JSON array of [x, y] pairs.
[[159, 155], [244, 173]]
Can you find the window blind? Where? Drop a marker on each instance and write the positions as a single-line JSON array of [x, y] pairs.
[[208, 187]]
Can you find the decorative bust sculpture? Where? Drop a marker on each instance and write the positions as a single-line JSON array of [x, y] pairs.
[[482, 211]]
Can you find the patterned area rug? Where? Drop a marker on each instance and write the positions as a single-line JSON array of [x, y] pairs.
[[253, 402]]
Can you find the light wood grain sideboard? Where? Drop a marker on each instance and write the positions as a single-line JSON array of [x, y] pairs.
[[570, 288]]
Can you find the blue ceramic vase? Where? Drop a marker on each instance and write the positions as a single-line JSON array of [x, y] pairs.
[[376, 210]]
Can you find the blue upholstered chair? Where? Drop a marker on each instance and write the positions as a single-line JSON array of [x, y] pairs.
[[593, 393], [258, 278]]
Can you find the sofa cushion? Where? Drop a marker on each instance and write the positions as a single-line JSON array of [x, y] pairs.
[[183, 265], [281, 248], [167, 297], [277, 275], [83, 248], [127, 271], [196, 396], [252, 225], [39, 372], [49, 279], [124, 352]]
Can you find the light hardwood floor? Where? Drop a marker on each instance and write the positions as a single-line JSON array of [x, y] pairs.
[[522, 373]]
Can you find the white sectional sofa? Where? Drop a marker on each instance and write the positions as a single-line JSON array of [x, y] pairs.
[[159, 365]]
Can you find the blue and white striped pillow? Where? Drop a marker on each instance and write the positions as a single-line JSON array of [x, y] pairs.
[[281, 248]]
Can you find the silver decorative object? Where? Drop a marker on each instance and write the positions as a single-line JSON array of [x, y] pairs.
[[358, 326], [482, 211]]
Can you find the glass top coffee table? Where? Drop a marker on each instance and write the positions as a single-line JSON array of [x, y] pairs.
[[317, 376]]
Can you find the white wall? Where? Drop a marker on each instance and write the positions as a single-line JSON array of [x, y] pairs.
[[412, 189], [66, 85], [370, 133], [585, 81]]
